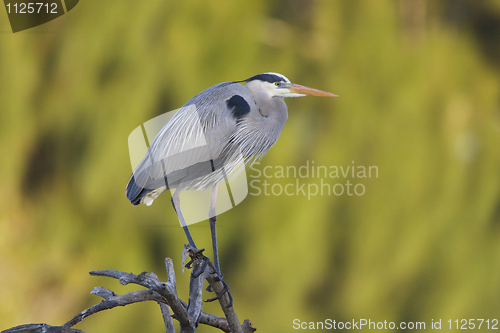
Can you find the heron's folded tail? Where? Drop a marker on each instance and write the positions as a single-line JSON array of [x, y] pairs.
[[135, 192]]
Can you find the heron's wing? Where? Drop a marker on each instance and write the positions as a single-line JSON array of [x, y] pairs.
[[196, 136]]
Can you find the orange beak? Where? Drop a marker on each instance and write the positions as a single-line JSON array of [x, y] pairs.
[[297, 88]]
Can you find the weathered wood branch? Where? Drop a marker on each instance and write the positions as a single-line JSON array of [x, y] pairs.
[[221, 289], [39, 328], [165, 294]]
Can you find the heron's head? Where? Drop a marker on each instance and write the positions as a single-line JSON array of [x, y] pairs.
[[275, 84]]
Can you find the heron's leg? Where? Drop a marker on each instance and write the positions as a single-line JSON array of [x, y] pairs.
[[177, 207], [212, 219]]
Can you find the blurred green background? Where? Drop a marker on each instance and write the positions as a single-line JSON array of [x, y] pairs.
[[419, 86]]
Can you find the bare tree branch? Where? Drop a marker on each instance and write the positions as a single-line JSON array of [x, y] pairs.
[[167, 318], [220, 288], [165, 294], [150, 281], [39, 328], [113, 300], [226, 303]]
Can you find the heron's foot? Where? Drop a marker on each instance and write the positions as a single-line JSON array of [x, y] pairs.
[[224, 290], [198, 255], [201, 268], [219, 278]]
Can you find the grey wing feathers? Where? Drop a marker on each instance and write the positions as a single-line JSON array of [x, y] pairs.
[[196, 135]]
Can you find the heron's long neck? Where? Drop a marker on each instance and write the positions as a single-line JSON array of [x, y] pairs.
[[265, 128], [273, 109]]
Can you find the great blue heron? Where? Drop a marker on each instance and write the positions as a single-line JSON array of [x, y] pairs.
[[204, 141]]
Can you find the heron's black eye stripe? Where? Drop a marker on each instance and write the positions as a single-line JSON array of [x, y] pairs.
[[271, 78], [238, 106]]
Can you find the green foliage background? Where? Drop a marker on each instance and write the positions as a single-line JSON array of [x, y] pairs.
[[419, 86]]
